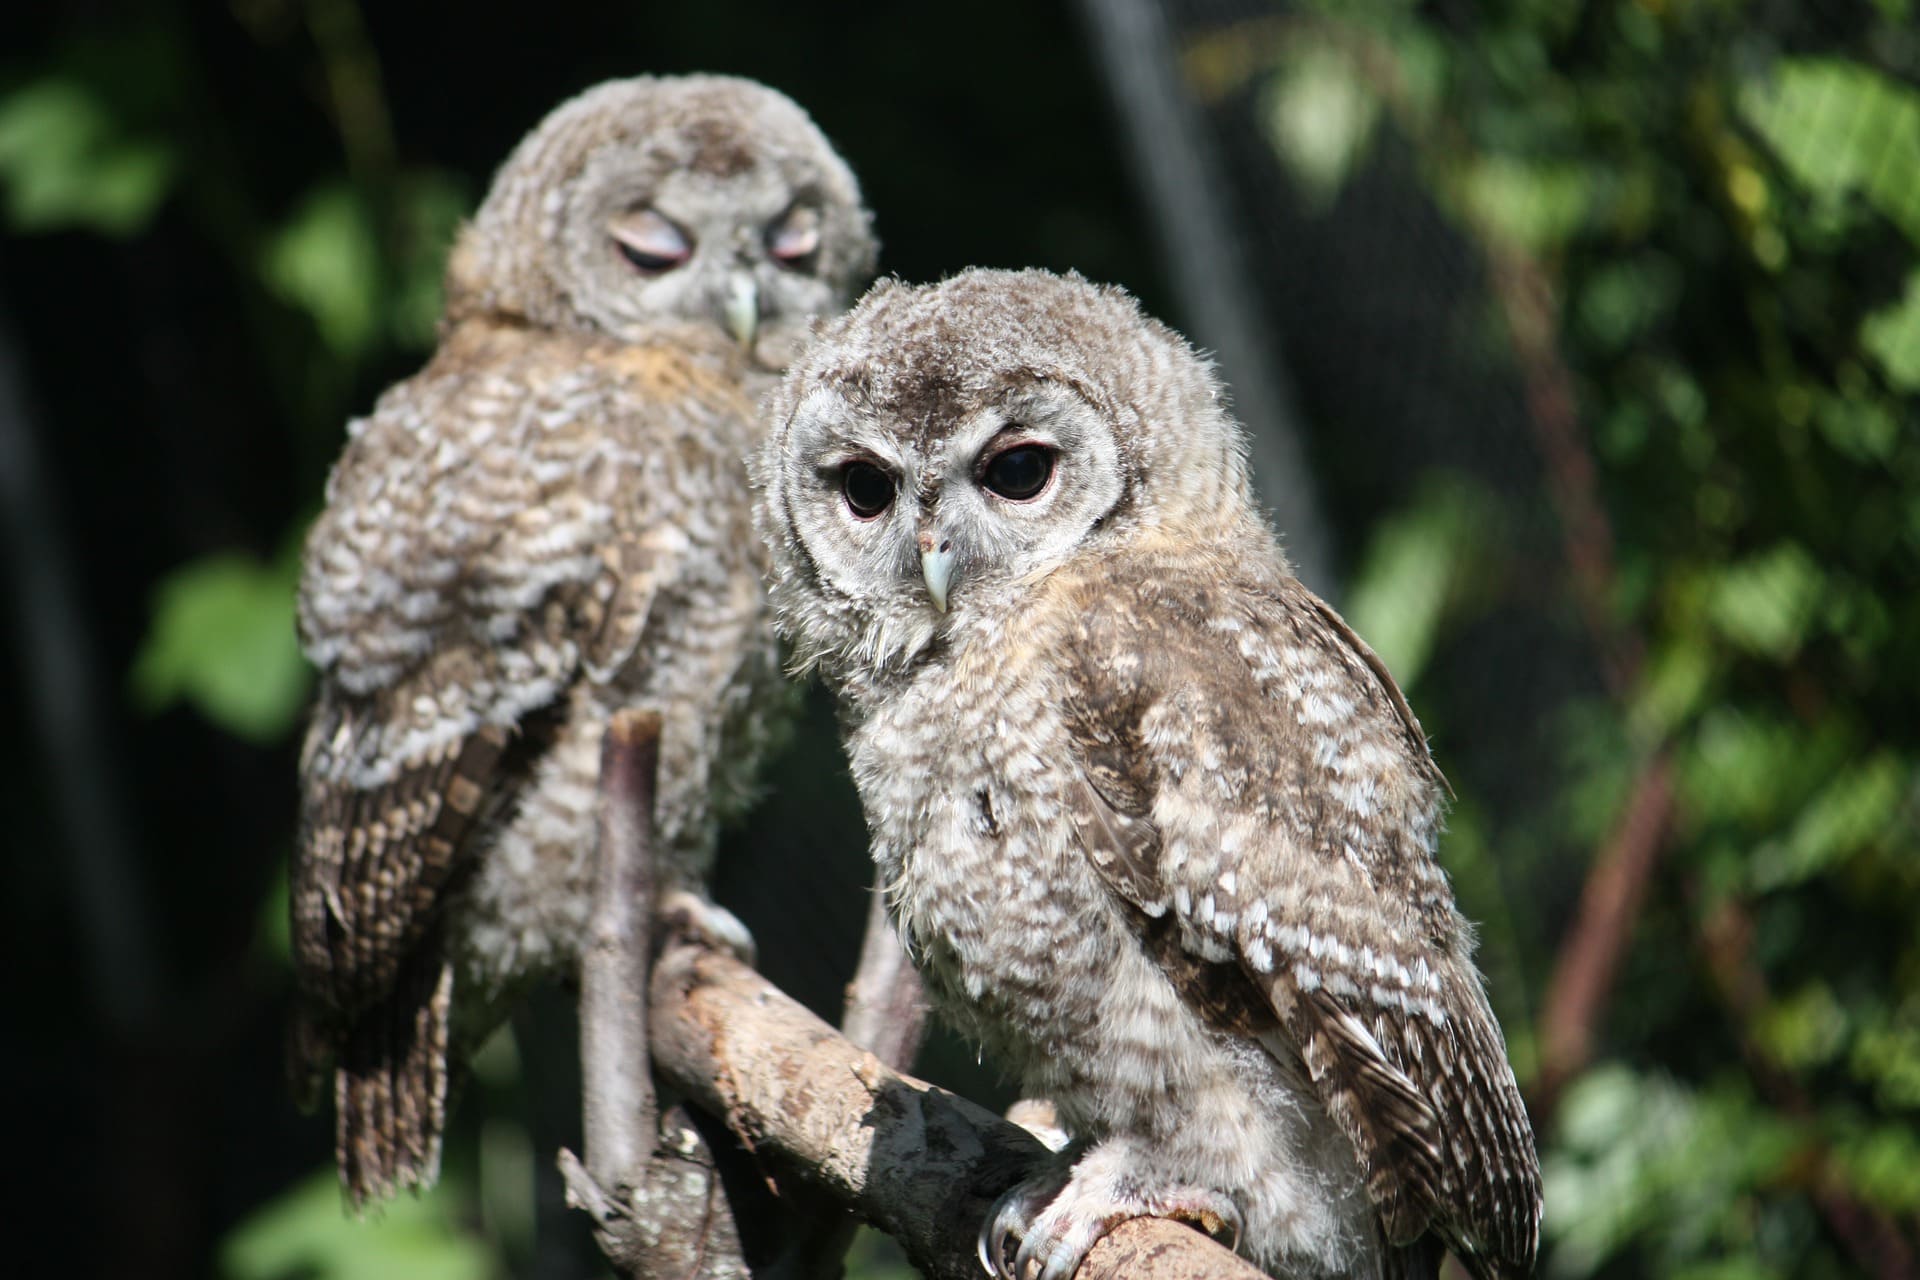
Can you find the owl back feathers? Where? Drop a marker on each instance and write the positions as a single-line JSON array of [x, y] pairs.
[[1258, 796], [498, 532]]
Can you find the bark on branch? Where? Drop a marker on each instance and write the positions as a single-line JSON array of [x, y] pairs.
[[913, 1160], [651, 1184]]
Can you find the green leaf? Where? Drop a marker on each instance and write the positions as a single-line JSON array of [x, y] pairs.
[[1850, 812], [1673, 686], [1765, 602], [1884, 1165], [1747, 769], [222, 639], [1535, 204], [67, 162], [430, 207], [876, 1256], [326, 261], [1640, 1158], [1888, 1054], [1806, 1029], [1840, 127], [1892, 337], [1858, 427], [306, 1233], [1320, 117], [1415, 564]]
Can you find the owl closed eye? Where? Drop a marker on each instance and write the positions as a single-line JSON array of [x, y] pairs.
[[548, 523]]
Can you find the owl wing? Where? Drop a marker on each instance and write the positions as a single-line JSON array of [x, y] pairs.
[[491, 538], [1255, 790]]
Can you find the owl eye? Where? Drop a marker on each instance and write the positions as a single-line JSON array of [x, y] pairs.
[[650, 241], [1019, 473], [795, 237], [868, 489]]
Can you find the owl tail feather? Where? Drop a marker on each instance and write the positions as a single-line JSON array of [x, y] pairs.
[[390, 1090]]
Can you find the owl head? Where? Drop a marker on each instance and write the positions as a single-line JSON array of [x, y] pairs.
[[706, 199], [937, 451]]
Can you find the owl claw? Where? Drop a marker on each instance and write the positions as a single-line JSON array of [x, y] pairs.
[[694, 919], [1002, 1233], [1049, 1224]]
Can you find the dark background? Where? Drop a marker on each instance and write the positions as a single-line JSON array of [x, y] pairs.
[[1597, 325]]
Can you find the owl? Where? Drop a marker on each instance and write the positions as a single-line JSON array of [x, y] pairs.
[[548, 523], [1157, 826]]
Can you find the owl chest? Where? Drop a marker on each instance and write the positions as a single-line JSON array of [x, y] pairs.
[[991, 890]]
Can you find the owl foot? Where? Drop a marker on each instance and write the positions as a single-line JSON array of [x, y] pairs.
[[1044, 1227], [691, 918], [1039, 1117]]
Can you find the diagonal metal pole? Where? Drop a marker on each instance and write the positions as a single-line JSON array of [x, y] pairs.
[[1179, 176]]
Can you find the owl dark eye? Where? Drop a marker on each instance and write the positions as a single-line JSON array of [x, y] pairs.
[[650, 241], [1019, 473], [867, 489]]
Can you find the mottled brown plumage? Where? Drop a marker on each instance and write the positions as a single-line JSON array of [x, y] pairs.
[[1159, 827], [548, 522]]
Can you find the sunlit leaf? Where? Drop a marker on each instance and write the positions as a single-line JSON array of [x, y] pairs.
[[1535, 204], [1742, 767], [1640, 1157], [1841, 127], [1892, 336], [305, 1234], [1851, 811], [222, 639], [1883, 1164], [1414, 564], [1887, 1053], [1862, 428], [67, 162], [1320, 116], [1675, 681], [326, 261], [1805, 1029], [1764, 603]]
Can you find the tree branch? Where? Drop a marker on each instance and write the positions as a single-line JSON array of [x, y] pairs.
[[1610, 902], [886, 1010], [913, 1160], [616, 1087], [652, 1186]]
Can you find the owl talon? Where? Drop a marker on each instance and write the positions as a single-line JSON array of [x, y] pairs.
[[691, 918], [1002, 1233], [1056, 1222]]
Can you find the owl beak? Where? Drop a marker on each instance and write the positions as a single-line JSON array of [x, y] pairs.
[[937, 561], [742, 308]]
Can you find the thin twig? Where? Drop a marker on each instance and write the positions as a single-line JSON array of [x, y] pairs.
[[1589, 958], [886, 1010], [913, 1160], [651, 1184], [616, 1088]]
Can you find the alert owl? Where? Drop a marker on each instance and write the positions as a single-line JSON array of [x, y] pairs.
[[1158, 827], [547, 523]]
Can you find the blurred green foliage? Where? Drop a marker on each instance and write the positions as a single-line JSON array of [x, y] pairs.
[[1722, 199], [222, 640], [305, 1232], [67, 161]]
